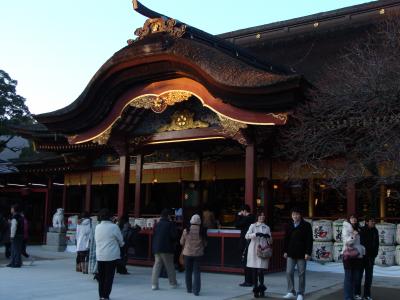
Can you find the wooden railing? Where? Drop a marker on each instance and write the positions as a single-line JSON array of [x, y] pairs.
[[221, 255]]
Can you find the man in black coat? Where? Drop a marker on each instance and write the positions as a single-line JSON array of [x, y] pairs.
[[243, 222], [16, 237], [369, 238], [297, 250], [164, 240]]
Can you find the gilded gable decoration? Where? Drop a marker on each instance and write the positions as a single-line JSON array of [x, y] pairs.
[[159, 25], [182, 120], [230, 127], [102, 139], [137, 140], [159, 103]]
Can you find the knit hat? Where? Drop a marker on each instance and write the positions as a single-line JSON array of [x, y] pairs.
[[195, 220]]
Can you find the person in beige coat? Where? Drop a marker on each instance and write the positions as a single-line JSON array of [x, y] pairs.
[[258, 233], [193, 241]]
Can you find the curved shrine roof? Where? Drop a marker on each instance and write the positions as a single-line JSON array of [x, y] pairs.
[[167, 49]]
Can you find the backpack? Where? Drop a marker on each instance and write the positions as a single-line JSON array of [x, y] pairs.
[[264, 249]]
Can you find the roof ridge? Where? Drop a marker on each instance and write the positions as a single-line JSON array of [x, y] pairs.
[[364, 7]]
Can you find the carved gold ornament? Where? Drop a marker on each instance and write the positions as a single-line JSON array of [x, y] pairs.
[[102, 139], [182, 120], [160, 25], [230, 127], [159, 103], [281, 116], [137, 140]]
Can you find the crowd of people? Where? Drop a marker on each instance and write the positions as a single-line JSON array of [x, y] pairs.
[[103, 249], [361, 245]]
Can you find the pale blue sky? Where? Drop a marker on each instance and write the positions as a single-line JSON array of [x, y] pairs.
[[54, 47]]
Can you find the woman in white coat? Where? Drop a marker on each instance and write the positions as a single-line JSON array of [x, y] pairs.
[[256, 233], [352, 268]]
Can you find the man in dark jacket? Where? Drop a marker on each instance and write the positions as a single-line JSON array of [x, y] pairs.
[[16, 236], [243, 222], [164, 240], [297, 250], [369, 238]]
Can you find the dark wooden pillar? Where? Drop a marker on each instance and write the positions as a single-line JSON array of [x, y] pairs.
[[197, 169], [351, 197], [64, 197], [382, 202], [138, 184], [48, 203], [250, 176], [267, 187], [88, 195], [311, 201], [123, 188]]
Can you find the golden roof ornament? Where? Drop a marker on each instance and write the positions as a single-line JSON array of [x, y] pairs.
[[160, 25], [156, 23]]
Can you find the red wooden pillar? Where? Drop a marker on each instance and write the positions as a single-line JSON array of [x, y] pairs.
[[138, 184], [250, 176], [88, 195], [351, 197]]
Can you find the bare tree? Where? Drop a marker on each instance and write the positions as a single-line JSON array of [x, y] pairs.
[[350, 127]]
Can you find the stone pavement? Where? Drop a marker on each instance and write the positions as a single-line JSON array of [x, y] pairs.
[[53, 277]]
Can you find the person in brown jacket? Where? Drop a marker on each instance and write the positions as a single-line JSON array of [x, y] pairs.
[[193, 241]]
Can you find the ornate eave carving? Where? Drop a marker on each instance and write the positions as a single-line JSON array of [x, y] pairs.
[[102, 139], [159, 25], [182, 120], [230, 127], [280, 116], [159, 103]]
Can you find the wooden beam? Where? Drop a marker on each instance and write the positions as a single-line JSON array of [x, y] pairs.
[[138, 184], [250, 176]]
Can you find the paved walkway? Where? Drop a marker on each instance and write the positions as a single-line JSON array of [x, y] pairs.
[[53, 277]]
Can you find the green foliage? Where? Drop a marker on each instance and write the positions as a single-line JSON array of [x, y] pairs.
[[13, 110]]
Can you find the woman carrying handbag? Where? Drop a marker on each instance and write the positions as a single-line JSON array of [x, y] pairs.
[[259, 253], [193, 241], [353, 253]]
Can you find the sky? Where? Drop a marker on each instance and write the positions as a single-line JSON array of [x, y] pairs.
[[53, 47]]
